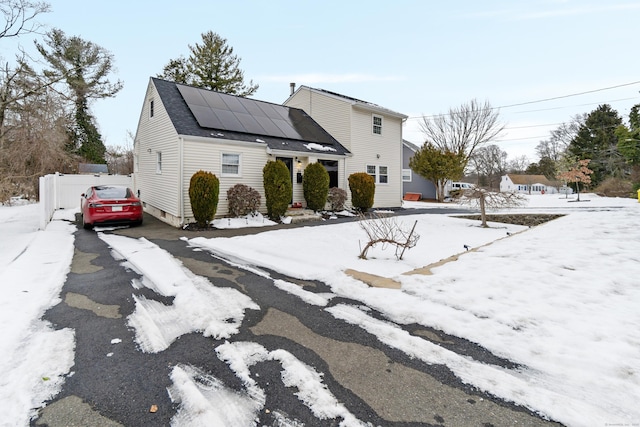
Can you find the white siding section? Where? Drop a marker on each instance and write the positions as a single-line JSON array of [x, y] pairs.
[[207, 155], [351, 125], [159, 192], [332, 114], [379, 150]]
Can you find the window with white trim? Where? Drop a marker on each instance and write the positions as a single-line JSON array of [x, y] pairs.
[[406, 175], [377, 124], [383, 174], [151, 108], [380, 174], [371, 170], [230, 164], [159, 162]]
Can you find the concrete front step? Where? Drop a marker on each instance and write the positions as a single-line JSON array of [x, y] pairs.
[[301, 215]]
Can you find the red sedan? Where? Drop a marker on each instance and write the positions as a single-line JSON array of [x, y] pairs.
[[105, 204]]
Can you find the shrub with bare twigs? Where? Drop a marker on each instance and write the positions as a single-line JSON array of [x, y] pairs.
[[385, 230]]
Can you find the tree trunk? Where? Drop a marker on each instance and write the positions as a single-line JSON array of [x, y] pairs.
[[483, 212]]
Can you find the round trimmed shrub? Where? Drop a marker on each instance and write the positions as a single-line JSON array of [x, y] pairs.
[[315, 186], [336, 198], [204, 190], [277, 188], [363, 188], [243, 200]]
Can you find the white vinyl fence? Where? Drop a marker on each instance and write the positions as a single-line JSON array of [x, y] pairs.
[[59, 191]]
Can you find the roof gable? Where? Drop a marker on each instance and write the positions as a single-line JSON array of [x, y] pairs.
[[210, 114], [357, 102]]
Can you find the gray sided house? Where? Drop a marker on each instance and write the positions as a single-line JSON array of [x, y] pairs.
[[183, 129], [411, 181], [371, 133]]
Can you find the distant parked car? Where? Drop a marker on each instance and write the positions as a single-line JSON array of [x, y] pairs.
[[105, 204]]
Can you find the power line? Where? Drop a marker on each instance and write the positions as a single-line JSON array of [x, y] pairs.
[[548, 99], [570, 95]]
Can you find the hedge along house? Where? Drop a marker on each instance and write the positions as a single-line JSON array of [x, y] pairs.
[[371, 133], [184, 129]]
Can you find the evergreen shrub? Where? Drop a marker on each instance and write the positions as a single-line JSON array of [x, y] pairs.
[[243, 200], [277, 188], [363, 188], [204, 190], [315, 186]]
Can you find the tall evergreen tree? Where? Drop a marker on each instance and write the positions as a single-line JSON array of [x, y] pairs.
[[85, 68], [596, 140], [211, 65]]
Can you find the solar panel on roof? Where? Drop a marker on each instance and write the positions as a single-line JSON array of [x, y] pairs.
[[287, 129], [229, 120], [233, 104], [250, 124], [269, 110], [269, 126], [205, 117], [251, 107], [214, 110], [192, 96], [213, 99]]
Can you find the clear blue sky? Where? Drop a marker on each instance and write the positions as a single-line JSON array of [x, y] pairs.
[[415, 57]]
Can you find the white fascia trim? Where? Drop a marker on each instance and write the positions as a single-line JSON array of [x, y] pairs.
[[223, 141]]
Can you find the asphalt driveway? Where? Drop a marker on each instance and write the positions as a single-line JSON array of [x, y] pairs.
[[115, 383]]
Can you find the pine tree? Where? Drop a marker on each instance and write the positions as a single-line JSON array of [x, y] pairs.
[[596, 140], [84, 67], [211, 65]]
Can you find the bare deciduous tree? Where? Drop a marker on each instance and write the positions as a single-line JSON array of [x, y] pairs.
[[464, 128], [484, 199], [489, 163], [34, 144], [385, 230], [20, 17], [519, 164]]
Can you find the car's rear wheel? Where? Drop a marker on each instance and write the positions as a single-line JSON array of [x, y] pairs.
[[86, 225]]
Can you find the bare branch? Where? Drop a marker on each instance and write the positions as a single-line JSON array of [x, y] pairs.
[[385, 230], [19, 17], [464, 128], [484, 199]]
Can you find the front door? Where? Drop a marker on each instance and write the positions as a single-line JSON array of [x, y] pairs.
[[289, 162]]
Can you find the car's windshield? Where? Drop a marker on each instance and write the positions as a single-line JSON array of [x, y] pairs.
[[113, 192]]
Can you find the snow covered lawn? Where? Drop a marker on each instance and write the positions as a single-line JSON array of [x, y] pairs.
[[560, 300]]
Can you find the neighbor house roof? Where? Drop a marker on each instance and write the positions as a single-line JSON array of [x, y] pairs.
[[523, 179], [209, 114], [413, 147]]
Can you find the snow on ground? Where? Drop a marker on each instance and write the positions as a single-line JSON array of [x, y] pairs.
[[33, 267], [198, 305], [560, 300]]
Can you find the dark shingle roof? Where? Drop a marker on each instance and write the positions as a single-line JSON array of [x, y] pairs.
[[283, 128]]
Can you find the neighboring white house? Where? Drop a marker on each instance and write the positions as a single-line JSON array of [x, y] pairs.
[[527, 184], [183, 129], [371, 133]]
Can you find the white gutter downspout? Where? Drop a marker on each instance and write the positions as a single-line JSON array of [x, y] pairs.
[[181, 179]]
